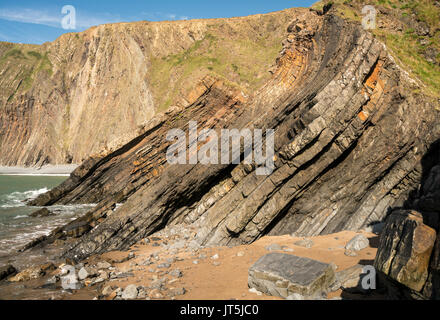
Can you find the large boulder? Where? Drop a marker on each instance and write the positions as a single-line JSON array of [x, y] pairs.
[[405, 248], [283, 275]]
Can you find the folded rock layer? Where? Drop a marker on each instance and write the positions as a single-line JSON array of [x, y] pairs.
[[350, 131]]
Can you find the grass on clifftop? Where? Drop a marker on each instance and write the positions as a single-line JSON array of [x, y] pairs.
[[240, 60], [406, 45]]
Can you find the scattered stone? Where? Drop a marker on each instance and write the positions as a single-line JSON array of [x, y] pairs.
[[142, 293], [130, 292], [295, 296], [287, 249], [106, 291], [122, 275], [146, 262], [53, 280], [155, 294], [215, 257], [103, 265], [253, 290], [176, 273], [240, 254], [358, 243], [282, 275], [216, 263], [177, 292], [273, 247], [306, 243], [196, 261], [86, 272], [178, 245], [163, 266], [350, 253]]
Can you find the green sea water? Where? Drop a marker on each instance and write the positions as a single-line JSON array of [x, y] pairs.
[[16, 227]]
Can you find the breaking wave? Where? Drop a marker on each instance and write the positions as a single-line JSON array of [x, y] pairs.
[[17, 199]]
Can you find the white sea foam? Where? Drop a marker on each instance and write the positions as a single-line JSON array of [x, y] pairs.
[[16, 199]]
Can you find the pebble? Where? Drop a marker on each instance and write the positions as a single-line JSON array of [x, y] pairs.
[[215, 257], [306, 243], [350, 253], [103, 265], [130, 292], [177, 292], [358, 243], [176, 273], [273, 247], [240, 254], [295, 296], [253, 290], [107, 290]]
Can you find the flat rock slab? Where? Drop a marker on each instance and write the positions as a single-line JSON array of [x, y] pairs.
[[282, 275]]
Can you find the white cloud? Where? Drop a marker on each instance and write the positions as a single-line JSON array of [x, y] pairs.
[[157, 16], [53, 18]]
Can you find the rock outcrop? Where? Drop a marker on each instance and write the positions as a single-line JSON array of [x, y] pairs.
[[408, 255], [350, 133]]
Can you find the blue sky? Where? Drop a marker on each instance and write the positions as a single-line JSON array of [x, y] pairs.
[[28, 21]]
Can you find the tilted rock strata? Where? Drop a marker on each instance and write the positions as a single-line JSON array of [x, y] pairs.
[[91, 92], [349, 137]]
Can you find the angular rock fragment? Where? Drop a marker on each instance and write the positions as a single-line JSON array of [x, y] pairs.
[[282, 275], [130, 292], [358, 243]]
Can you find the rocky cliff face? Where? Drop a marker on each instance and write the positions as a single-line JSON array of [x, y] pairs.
[[351, 129], [90, 93]]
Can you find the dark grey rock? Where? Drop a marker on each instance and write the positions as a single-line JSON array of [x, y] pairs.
[[7, 271], [282, 275]]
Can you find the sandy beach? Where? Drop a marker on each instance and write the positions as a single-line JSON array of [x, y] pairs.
[[49, 170]]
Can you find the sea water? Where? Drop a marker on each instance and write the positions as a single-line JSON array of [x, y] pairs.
[[17, 228]]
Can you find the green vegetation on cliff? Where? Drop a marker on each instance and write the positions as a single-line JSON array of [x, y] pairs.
[[237, 60], [410, 29]]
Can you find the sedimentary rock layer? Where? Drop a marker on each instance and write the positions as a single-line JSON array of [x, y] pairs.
[[91, 92], [350, 131]]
